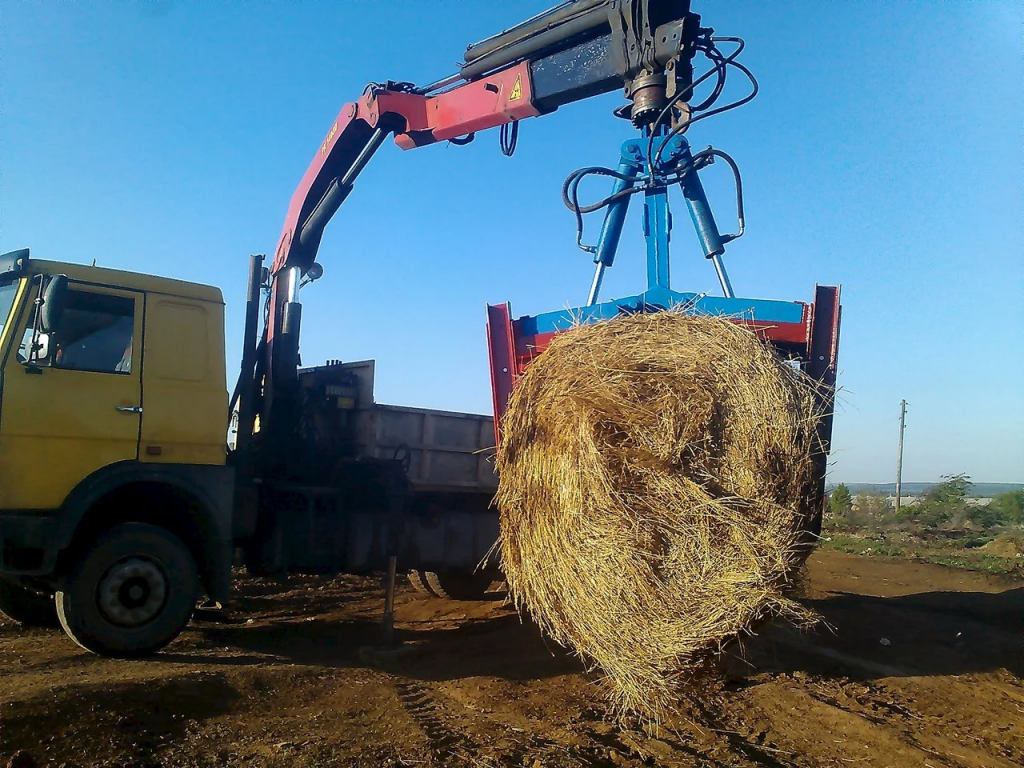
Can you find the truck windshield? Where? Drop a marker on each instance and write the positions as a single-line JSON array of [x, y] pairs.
[[7, 294]]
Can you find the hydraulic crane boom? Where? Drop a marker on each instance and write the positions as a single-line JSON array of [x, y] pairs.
[[574, 51], [579, 49]]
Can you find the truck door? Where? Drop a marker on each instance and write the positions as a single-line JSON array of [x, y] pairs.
[[78, 408]]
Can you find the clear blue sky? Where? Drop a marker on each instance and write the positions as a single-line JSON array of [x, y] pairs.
[[883, 153]]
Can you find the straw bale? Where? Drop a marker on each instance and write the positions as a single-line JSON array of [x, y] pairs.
[[657, 475]]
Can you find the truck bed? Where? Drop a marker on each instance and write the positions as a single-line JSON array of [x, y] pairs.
[[448, 451]]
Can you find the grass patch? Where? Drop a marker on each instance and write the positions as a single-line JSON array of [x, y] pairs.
[[972, 561], [952, 552], [861, 545]]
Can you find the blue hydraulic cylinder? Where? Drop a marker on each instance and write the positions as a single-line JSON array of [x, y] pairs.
[[700, 210], [614, 218]]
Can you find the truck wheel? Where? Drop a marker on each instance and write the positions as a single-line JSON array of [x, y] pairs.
[[131, 592], [459, 586], [418, 579], [28, 608]]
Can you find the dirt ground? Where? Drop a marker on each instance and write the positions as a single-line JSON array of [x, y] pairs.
[[291, 682]]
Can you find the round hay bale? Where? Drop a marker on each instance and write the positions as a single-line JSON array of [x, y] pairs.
[[657, 475]]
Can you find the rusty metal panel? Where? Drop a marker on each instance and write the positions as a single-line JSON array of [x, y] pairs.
[[447, 451]]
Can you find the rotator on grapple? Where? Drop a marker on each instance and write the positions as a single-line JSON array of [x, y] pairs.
[[576, 50]]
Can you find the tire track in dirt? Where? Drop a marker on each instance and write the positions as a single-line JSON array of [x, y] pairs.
[[427, 713], [886, 708], [874, 702], [875, 714], [762, 755], [610, 745], [618, 743], [866, 706]]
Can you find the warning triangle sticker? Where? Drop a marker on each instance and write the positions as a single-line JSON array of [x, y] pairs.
[[517, 89]]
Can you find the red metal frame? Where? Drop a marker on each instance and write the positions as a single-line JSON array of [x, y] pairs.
[[823, 334], [501, 353], [815, 336]]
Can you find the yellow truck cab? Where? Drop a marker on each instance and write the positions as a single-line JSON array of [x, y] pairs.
[[115, 494]]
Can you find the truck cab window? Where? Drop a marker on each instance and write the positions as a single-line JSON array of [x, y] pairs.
[[7, 293], [95, 333]]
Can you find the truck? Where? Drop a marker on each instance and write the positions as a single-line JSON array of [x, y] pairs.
[[117, 479], [121, 499]]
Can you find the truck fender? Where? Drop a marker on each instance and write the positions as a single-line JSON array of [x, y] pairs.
[[208, 490]]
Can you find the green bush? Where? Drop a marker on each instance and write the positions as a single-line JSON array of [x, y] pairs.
[[942, 505], [840, 501], [1008, 508]]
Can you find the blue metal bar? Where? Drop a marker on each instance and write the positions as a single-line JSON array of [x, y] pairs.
[[657, 231], [658, 223], [757, 310]]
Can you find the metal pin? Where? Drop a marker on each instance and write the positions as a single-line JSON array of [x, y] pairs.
[[595, 287], [723, 277], [389, 603]]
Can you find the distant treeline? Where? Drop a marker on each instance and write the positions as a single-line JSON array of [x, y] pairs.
[[979, 490], [946, 506]]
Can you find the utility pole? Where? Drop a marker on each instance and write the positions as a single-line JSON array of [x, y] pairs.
[[899, 460]]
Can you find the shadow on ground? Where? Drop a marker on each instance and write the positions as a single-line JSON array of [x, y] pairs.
[[134, 718], [929, 633], [862, 637], [502, 647]]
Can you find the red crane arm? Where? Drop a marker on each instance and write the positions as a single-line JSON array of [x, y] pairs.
[[416, 120]]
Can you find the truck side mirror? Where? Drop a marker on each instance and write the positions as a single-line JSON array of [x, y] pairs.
[[55, 299], [40, 351]]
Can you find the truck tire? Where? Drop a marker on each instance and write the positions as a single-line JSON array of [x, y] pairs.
[[131, 593], [418, 579], [28, 608], [459, 586]]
